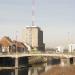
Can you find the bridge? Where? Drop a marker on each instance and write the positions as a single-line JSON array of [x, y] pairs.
[[13, 55], [22, 58]]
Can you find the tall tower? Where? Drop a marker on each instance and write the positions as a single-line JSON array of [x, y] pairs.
[[33, 35], [33, 12]]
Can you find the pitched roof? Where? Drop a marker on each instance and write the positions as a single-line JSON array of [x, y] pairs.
[[19, 44], [5, 41]]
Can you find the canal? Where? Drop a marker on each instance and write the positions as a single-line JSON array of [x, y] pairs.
[[50, 68], [34, 70]]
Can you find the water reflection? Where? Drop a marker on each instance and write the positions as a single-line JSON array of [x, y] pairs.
[[6, 72], [35, 70], [23, 71]]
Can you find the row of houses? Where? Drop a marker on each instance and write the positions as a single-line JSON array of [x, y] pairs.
[[11, 46]]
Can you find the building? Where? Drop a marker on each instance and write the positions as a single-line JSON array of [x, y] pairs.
[[33, 36], [71, 47], [66, 49], [19, 47], [5, 43], [9, 46]]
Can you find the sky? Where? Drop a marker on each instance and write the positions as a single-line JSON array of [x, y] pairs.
[[55, 17]]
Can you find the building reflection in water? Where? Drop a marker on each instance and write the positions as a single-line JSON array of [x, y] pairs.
[[36, 70], [6, 72]]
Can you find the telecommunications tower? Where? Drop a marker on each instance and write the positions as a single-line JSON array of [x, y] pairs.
[[33, 12]]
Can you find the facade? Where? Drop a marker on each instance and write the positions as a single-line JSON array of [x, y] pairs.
[[68, 48], [71, 47], [33, 36], [18, 47], [9, 46], [5, 43]]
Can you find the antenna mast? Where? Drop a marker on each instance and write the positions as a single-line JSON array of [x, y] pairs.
[[33, 12]]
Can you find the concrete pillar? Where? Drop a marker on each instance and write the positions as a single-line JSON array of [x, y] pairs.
[[16, 63]]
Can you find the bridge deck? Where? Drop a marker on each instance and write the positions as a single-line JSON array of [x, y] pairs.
[[16, 55]]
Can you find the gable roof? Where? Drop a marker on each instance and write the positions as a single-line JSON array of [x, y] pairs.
[[5, 41], [19, 44]]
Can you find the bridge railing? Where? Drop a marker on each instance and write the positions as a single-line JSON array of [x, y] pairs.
[[38, 52]]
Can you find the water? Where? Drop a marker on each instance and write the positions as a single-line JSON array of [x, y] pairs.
[[34, 70]]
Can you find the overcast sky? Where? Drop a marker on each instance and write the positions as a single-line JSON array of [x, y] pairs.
[[55, 17]]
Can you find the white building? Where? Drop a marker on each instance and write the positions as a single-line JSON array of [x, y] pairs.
[[71, 47]]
